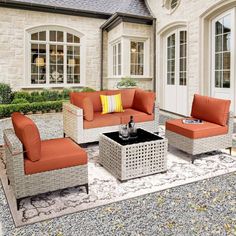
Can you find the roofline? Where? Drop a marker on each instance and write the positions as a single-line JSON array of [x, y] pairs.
[[118, 17], [53, 9], [149, 8]]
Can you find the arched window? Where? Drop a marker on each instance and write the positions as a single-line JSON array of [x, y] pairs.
[[171, 5], [55, 56]]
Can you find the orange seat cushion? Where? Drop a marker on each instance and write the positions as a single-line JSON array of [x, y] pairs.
[[137, 115], [101, 120], [144, 101], [84, 103], [127, 96], [196, 131], [57, 154], [210, 109], [28, 134]]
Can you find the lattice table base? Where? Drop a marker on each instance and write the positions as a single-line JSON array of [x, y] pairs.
[[132, 161]]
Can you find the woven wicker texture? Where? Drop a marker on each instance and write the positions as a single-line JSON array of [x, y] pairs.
[[202, 145], [135, 160], [73, 125], [29, 185]]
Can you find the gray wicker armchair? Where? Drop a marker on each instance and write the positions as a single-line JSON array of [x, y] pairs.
[[213, 134], [35, 182]]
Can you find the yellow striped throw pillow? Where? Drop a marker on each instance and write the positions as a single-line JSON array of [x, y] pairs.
[[111, 103]]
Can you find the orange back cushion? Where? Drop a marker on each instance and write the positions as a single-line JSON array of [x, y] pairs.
[[210, 109], [95, 99], [28, 134], [127, 96], [144, 101], [84, 103]]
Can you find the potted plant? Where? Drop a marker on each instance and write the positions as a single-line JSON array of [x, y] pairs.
[[127, 82]]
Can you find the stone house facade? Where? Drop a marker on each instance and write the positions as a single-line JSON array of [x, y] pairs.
[[36, 51], [175, 47], [202, 58]]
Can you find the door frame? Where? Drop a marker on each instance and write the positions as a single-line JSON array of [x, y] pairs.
[[232, 57], [175, 31]]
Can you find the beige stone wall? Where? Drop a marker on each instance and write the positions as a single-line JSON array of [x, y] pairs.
[[13, 26], [125, 31], [190, 13]]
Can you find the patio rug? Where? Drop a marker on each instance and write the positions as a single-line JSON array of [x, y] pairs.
[[105, 189]]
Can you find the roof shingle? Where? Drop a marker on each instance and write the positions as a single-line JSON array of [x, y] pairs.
[[109, 7]]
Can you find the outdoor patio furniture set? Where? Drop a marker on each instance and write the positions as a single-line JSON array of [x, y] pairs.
[[35, 166]]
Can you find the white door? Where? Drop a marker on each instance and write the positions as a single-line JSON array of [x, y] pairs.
[[223, 85], [175, 89]]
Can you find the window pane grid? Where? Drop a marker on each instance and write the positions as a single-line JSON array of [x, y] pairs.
[[116, 59], [183, 58], [136, 58], [222, 52], [171, 60], [173, 4], [177, 58], [63, 55]]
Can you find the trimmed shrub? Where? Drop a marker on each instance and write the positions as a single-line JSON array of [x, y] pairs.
[[7, 110], [87, 89], [50, 95], [5, 94], [126, 82], [65, 94], [19, 100], [22, 95], [36, 98]]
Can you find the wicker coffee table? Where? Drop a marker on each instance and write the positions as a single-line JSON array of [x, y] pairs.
[[130, 159]]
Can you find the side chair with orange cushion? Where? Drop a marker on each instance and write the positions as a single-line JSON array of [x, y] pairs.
[[213, 134], [35, 166]]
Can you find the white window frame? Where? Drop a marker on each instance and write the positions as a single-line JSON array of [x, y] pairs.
[[146, 55], [232, 57], [220, 92], [115, 59], [125, 57], [65, 30], [177, 56], [137, 55], [172, 8], [168, 3]]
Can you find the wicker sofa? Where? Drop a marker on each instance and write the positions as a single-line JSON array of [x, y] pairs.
[[213, 134], [83, 121], [34, 166]]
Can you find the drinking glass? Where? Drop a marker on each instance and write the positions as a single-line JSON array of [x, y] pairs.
[[123, 132]]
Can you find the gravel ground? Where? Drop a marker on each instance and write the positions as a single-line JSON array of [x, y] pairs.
[[203, 208]]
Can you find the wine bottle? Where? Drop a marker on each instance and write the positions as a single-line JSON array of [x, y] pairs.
[[132, 128], [131, 123]]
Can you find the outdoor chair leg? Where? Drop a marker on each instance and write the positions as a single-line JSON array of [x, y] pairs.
[[18, 203], [64, 135], [87, 188], [230, 150], [193, 158], [8, 181]]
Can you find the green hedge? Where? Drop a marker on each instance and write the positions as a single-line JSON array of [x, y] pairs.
[[19, 100], [25, 102], [7, 110], [47, 95]]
